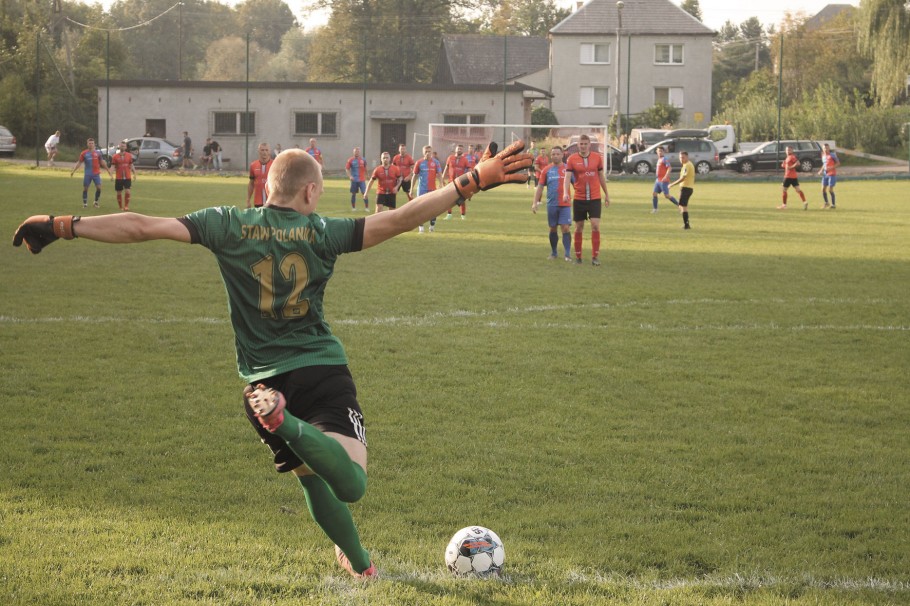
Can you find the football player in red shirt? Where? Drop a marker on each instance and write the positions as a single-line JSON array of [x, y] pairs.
[[790, 164], [389, 178], [456, 165], [259, 173], [124, 174], [585, 171], [405, 163]]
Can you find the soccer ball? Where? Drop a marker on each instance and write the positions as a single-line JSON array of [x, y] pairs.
[[475, 550]]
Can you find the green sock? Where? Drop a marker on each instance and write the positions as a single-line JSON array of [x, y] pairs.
[[335, 519], [326, 457]]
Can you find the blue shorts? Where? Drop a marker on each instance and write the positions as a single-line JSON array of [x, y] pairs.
[[662, 187], [88, 179], [829, 180], [559, 215], [358, 186]]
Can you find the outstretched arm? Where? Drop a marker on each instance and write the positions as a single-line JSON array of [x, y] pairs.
[[492, 171], [41, 230]]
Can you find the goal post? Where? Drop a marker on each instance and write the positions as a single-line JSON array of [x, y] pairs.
[[444, 137]]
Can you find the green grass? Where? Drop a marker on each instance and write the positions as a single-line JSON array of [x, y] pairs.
[[711, 417]]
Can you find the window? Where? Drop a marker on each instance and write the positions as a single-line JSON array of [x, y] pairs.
[[595, 53], [668, 54], [315, 123], [595, 96], [234, 123], [464, 119], [669, 96]]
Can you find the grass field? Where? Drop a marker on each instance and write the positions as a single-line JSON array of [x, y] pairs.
[[712, 417]]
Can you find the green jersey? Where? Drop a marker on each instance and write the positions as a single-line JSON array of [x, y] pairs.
[[276, 263]]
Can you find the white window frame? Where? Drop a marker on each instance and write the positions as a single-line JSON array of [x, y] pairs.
[[588, 53], [676, 95], [319, 116], [671, 47], [238, 122], [587, 96]]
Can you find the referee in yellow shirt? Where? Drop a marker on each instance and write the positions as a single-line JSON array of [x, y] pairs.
[[687, 178]]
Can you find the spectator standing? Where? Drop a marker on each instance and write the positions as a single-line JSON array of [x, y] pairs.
[[187, 151], [216, 155], [50, 146]]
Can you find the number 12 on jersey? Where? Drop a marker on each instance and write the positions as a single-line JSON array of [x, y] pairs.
[[294, 275]]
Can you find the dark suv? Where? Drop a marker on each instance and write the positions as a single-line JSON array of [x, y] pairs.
[[769, 156]]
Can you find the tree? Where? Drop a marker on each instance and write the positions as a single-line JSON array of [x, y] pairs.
[[692, 7], [292, 62], [525, 17], [739, 50], [884, 37], [226, 60], [659, 115], [541, 114], [380, 41], [267, 21]]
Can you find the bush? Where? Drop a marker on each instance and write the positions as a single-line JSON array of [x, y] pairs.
[[542, 115], [659, 115]]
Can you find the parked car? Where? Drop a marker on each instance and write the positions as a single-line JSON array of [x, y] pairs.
[[768, 156], [612, 162], [702, 153], [647, 136], [7, 142], [150, 151]]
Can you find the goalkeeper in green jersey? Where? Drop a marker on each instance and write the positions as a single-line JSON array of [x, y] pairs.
[[275, 262]]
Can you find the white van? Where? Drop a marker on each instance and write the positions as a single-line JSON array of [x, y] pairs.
[[724, 138]]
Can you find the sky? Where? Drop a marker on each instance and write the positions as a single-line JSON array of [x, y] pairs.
[[714, 12]]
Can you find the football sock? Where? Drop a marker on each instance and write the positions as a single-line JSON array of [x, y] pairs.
[[802, 195], [785, 198], [326, 457], [353, 201], [686, 218], [832, 199], [97, 194], [464, 209], [654, 201], [120, 199], [674, 201], [84, 197], [595, 244], [825, 196], [567, 242], [578, 236], [335, 519], [554, 240], [366, 202], [126, 199]]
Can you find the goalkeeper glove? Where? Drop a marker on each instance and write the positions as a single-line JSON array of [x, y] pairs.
[[41, 230], [493, 171]]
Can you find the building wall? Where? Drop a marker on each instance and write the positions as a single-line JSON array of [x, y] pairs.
[[184, 107], [568, 75]]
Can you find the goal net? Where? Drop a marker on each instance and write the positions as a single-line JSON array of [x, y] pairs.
[[444, 137]]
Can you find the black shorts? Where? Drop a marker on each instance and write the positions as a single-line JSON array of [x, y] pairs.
[[387, 200], [791, 181], [323, 396], [121, 184], [684, 194], [585, 209], [406, 185]]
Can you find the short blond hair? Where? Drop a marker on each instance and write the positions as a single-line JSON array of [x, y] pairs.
[[292, 170]]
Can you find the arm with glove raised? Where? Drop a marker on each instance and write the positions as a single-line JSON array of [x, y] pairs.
[[492, 171], [40, 231]]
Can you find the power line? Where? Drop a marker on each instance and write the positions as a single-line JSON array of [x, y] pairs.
[[123, 29]]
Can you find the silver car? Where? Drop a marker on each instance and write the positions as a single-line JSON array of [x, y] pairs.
[[7, 142], [702, 153], [151, 151]]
